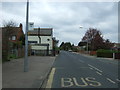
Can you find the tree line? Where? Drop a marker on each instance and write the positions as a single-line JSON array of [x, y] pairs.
[[95, 41]]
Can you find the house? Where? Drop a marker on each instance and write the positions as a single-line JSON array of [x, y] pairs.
[[76, 48], [40, 40], [116, 47], [11, 43]]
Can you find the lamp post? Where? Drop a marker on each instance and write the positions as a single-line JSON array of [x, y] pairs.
[[87, 39], [26, 41]]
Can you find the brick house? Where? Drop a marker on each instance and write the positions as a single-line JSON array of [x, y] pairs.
[[16, 34], [11, 43]]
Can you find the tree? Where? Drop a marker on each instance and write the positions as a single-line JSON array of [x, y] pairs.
[[95, 39], [108, 44], [61, 46], [55, 46], [97, 42], [9, 24], [22, 39], [66, 46]]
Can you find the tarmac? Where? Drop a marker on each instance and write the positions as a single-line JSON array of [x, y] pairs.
[[13, 75]]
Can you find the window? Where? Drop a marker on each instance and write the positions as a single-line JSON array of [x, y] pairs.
[[31, 24], [32, 42], [13, 37], [48, 39]]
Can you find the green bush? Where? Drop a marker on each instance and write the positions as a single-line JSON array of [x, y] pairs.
[[12, 56], [105, 53]]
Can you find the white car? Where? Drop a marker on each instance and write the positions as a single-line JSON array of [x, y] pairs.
[[70, 50]]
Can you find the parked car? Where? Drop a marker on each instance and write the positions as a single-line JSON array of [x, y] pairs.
[[70, 50]]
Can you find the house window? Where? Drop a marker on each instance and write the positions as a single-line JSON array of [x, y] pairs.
[[48, 39], [13, 37], [31, 24], [32, 42]]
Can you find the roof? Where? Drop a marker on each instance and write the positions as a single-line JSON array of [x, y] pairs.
[[14, 31], [43, 32]]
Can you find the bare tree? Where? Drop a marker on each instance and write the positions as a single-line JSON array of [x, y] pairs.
[[94, 38], [9, 23]]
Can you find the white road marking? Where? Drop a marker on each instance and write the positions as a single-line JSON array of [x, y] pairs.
[[118, 80], [98, 73], [91, 68], [110, 80], [95, 68]]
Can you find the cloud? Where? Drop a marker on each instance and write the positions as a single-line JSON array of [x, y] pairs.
[[66, 17], [114, 35]]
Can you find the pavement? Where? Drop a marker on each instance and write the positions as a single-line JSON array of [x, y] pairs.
[[13, 75], [0, 75]]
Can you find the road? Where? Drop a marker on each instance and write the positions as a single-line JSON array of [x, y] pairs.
[[72, 70]]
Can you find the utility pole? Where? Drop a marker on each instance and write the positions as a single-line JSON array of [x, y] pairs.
[[87, 46], [26, 41], [87, 41]]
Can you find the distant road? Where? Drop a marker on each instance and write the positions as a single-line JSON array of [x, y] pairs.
[[72, 70]]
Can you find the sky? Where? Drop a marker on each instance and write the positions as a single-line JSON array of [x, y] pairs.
[[66, 17]]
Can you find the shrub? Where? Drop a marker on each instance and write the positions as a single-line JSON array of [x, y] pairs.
[[12, 56], [105, 53]]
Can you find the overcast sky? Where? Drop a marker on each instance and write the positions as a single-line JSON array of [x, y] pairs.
[[66, 18]]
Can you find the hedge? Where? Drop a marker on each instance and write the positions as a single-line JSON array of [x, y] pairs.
[[106, 53]]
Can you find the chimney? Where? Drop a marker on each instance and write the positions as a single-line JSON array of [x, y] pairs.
[[20, 26]]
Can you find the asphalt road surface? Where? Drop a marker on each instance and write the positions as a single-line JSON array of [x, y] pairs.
[[72, 70]]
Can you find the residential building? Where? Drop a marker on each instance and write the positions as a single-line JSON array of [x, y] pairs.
[[11, 43], [41, 41], [76, 48], [31, 26], [116, 46]]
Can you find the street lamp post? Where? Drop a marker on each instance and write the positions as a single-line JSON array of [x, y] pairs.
[[26, 41], [87, 39]]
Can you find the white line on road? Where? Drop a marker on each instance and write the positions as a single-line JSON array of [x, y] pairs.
[[110, 80], [118, 80], [91, 68], [95, 68], [98, 73]]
